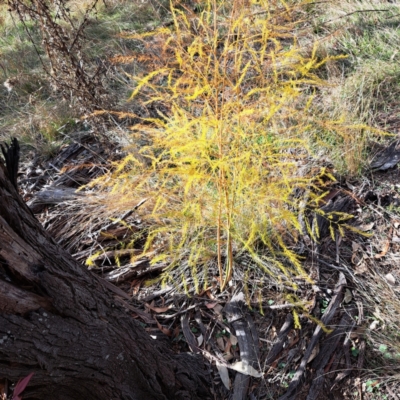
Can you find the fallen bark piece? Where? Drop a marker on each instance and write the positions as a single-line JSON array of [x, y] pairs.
[[317, 385], [387, 158], [346, 324], [55, 195], [278, 345], [11, 157], [329, 313], [236, 313]]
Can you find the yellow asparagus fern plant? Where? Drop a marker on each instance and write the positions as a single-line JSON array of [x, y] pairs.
[[224, 163]]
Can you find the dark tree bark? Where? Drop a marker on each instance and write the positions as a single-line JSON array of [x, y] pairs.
[[62, 323]]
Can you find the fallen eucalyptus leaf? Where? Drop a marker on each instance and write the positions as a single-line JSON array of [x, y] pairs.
[[366, 227], [218, 308], [356, 246], [390, 279], [348, 296], [228, 356], [221, 343], [245, 369], [314, 353], [223, 373], [233, 339]]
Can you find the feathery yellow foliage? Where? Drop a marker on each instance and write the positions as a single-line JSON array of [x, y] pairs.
[[224, 161]]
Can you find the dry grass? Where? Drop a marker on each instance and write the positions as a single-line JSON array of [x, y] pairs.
[[364, 84], [367, 88], [377, 277], [31, 109]]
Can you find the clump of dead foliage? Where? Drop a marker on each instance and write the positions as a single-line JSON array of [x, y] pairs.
[[71, 74]]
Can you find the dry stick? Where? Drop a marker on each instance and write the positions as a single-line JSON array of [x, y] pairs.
[[157, 293], [343, 269], [165, 316], [115, 289], [83, 145], [277, 306], [216, 321], [21, 18], [42, 13], [354, 12], [190, 338], [394, 396], [129, 271], [146, 317], [82, 25], [329, 313]]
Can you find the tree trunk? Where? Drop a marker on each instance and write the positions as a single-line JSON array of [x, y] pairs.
[[62, 323]]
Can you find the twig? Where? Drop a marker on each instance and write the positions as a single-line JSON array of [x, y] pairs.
[[277, 306], [165, 316], [156, 294], [343, 269], [354, 12]]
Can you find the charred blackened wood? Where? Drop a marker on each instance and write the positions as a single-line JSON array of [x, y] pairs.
[[337, 298], [387, 158], [11, 157]]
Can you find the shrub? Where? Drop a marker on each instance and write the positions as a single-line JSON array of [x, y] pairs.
[[225, 166]]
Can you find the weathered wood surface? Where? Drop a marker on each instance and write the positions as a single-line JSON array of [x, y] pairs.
[[53, 195], [61, 322], [237, 315]]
